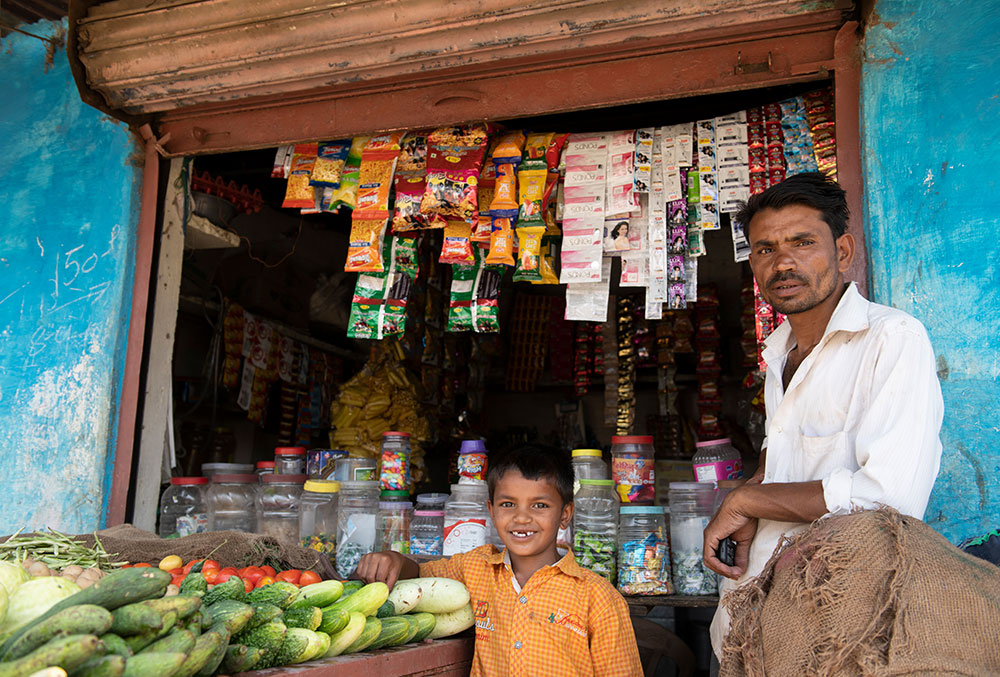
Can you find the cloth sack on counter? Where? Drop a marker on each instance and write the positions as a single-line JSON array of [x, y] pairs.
[[871, 593]]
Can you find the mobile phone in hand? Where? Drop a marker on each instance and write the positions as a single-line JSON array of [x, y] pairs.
[[727, 551]]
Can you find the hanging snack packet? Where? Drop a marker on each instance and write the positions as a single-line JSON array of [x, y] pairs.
[[508, 148], [537, 145], [411, 181], [545, 267], [501, 242], [282, 161], [553, 156], [364, 250], [346, 194], [504, 201], [330, 163], [454, 159], [484, 196], [378, 164], [531, 187], [463, 280], [529, 245], [457, 245], [485, 308], [299, 194]]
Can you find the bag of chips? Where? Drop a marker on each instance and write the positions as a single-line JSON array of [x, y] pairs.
[[329, 164], [378, 308], [529, 246], [485, 308], [463, 281], [298, 193], [531, 178], [545, 258], [457, 245], [364, 248], [454, 159], [346, 194], [411, 181], [501, 242]]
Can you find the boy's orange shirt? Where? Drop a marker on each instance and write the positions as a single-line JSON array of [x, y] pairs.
[[565, 621]]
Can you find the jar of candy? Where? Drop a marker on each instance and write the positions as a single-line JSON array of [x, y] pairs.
[[356, 515], [394, 513], [318, 517], [472, 461], [264, 468], [643, 551], [467, 522], [716, 460], [432, 501], [320, 462], [395, 475], [278, 506], [632, 469], [595, 527], [427, 532], [588, 464], [691, 508], [230, 500], [182, 507], [354, 469], [289, 460]]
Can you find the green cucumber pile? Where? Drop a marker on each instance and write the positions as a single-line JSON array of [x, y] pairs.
[[123, 625]]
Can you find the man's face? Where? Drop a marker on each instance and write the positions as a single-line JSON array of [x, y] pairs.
[[795, 259]]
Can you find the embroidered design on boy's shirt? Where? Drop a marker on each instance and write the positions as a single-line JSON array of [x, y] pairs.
[[482, 618], [571, 622]]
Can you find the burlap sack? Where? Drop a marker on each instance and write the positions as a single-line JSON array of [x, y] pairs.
[[873, 593]]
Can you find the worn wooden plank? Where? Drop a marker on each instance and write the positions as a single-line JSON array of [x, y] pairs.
[[439, 657], [689, 601]]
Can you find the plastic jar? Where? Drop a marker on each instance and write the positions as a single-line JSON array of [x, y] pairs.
[[394, 513], [354, 469], [595, 527], [427, 532], [716, 460], [320, 462], [643, 551], [356, 513], [289, 460], [278, 506], [395, 473], [318, 517], [632, 469], [264, 468], [432, 501], [588, 465], [691, 506], [182, 507], [212, 469], [230, 501], [472, 462], [467, 523]]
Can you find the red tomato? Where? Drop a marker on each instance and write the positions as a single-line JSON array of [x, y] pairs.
[[211, 576], [289, 576], [177, 579], [247, 585], [252, 574], [269, 570], [223, 577], [211, 564], [265, 580], [229, 570], [143, 564], [179, 571], [309, 577]]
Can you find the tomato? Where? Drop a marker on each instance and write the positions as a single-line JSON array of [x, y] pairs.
[[171, 562], [247, 586], [143, 564], [179, 571], [269, 570], [223, 577], [252, 574], [265, 580], [309, 577], [211, 575], [289, 576], [177, 579], [126, 566]]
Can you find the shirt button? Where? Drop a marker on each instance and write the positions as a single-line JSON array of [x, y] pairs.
[[778, 428], [523, 600], [517, 645]]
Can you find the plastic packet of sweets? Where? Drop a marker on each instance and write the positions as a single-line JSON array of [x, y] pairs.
[[298, 193], [457, 245], [330, 163], [531, 187], [529, 245], [364, 252], [501, 243], [345, 195]]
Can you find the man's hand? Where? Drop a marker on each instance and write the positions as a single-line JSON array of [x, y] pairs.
[[387, 567], [741, 528]]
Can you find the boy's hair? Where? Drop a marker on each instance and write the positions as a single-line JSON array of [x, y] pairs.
[[534, 462], [812, 189]]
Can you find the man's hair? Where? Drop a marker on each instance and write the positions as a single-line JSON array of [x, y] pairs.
[[534, 462], [812, 189]]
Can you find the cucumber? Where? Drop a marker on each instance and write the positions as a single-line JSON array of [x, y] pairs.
[[373, 626], [452, 622], [309, 617], [386, 610], [268, 637], [426, 622], [153, 665], [393, 631], [194, 622], [67, 653], [178, 641], [346, 637], [86, 619], [351, 587], [231, 589], [334, 620], [317, 645], [241, 658], [234, 615], [185, 607], [215, 659], [413, 630], [104, 666], [324, 644], [207, 648], [113, 644], [365, 601], [262, 613], [279, 594], [139, 642], [135, 619], [295, 647], [319, 594], [194, 585], [440, 595], [114, 590], [405, 595]]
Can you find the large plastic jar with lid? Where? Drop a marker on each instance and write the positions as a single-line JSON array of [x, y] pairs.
[[318, 517], [264, 468], [467, 523], [394, 513], [716, 460], [395, 468], [289, 460], [691, 509], [472, 462], [595, 527], [231, 499], [356, 515], [588, 465], [278, 506], [354, 469], [182, 507], [632, 469], [427, 532], [431, 501], [643, 551]]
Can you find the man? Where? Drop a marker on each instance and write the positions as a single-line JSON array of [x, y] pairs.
[[853, 402]]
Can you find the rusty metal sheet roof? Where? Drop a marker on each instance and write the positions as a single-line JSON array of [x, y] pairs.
[[14, 12], [150, 56]]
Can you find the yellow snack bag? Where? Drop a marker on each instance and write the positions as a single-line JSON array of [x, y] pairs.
[[364, 253], [529, 245]]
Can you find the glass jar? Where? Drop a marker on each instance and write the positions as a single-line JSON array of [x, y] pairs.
[[472, 461], [595, 527], [278, 506], [289, 460], [691, 508], [356, 513], [320, 462], [394, 512], [230, 500], [264, 468], [354, 469], [182, 507], [395, 473], [427, 532], [632, 469], [716, 460], [318, 517], [588, 465], [467, 523], [643, 551]]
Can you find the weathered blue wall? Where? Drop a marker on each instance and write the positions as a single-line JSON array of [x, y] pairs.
[[931, 150], [68, 207]]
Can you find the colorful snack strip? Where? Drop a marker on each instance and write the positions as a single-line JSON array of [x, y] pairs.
[[298, 193]]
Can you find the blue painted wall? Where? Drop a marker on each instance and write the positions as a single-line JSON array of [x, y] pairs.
[[931, 151], [68, 206]]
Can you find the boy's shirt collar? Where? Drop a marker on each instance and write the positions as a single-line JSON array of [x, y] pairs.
[[566, 564]]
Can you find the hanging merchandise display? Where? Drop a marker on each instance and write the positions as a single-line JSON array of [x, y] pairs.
[[625, 410], [475, 290], [378, 308], [583, 208], [371, 211], [411, 182], [822, 129], [346, 194], [454, 160], [299, 192]]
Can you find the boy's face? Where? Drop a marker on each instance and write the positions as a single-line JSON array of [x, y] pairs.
[[528, 514]]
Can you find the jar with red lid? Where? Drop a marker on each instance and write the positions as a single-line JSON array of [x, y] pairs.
[[632, 469], [182, 507], [264, 468], [231, 502], [289, 461]]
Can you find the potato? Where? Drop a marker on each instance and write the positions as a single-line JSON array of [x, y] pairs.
[[172, 590], [28, 561], [72, 572], [39, 569]]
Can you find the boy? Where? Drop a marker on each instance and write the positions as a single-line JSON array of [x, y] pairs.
[[536, 613]]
